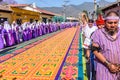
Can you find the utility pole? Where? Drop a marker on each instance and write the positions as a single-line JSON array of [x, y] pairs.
[[64, 8], [95, 8], [118, 5]]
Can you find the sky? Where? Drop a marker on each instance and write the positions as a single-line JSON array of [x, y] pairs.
[[55, 3]]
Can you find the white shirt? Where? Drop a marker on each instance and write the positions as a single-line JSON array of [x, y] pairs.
[[88, 31]]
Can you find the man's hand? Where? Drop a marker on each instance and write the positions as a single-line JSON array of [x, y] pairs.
[[113, 68]]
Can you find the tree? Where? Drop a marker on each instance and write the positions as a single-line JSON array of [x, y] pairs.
[[57, 19], [99, 11]]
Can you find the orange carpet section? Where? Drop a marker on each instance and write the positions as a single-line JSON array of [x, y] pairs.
[[40, 62]]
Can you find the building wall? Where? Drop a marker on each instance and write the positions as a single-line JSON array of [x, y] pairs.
[[24, 15], [6, 15], [47, 17], [117, 9]]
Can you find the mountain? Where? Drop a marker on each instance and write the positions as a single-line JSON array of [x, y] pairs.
[[74, 10], [7, 2], [103, 3], [70, 10]]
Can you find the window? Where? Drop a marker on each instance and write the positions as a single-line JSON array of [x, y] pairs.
[[2, 20]]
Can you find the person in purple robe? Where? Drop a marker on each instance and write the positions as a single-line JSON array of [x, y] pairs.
[[15, 32], [8, 34], [29, 35], [33, 30], [19, 29], [1, 38], [62, 25], [39, 29], [36, 30], [54, 27], [25, 32], [47, 28], [51, 27], [106, 48], [42, 28]]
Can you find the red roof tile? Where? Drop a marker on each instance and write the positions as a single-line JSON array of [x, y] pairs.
[[39, 9], [18, 5]]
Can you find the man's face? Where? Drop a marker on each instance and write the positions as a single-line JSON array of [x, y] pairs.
[[111, 25], [90, 24]]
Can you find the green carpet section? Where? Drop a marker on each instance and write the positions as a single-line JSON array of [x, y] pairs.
[[83, 61], [80, 66], [82, 75]]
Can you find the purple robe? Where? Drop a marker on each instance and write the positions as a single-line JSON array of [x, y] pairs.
[[16, 37], [8, 37], [36, 31], [110, 48], [45, 29], [42, 28], [29, 34], [39, 30], [33, 33], [25, 35], [11, 42], [50, 28], [54, 27], [1, 40]]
